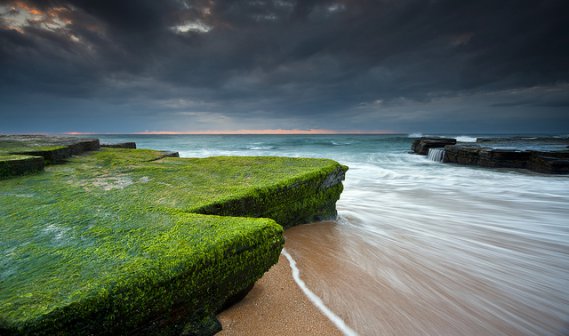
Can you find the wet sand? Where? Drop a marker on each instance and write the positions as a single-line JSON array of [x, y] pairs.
[[275, 306], [397, 282], [392, 287]]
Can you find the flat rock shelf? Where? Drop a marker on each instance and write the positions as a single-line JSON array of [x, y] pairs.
[[547, 155], [140, 242]]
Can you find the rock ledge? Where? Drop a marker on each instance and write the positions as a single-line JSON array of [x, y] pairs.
[[502, 153]]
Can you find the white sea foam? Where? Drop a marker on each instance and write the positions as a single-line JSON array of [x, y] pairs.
[[465, 138], [338, 322], [415, 135], [483, 250], [260, 147]]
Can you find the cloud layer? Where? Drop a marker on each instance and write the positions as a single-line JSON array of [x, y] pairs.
[[406, 65]]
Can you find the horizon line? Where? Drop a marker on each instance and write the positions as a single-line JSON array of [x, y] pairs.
[[249, 132]]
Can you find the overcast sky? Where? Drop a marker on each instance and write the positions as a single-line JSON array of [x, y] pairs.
[[386, 65]]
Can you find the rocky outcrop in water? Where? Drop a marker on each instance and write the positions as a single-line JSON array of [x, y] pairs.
[[486, 157], [549, 162], [422, 145], [524, 157], [462, 154]]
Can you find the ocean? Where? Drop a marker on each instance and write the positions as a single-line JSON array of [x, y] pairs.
[[421, 247]]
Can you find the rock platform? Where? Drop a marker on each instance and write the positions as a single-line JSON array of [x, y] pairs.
[[541, 154], [121, 241]]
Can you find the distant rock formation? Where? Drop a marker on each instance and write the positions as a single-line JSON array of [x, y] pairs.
[[542, 161], [422, 145]]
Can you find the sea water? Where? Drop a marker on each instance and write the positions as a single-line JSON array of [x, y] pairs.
[[421, 247]]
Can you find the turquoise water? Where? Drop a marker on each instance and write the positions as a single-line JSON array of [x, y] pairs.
[[420, 247], [344, 146]]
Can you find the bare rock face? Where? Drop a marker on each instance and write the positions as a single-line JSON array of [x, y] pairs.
[[549, 162], [421, 146], [504, 158], [462, 154]]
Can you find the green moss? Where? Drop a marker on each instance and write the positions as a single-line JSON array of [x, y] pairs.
[[52, 149], [121, 272], [11, 157], [120, 238], [18, 147]]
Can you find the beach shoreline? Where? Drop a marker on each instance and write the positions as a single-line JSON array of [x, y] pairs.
[[275, 306]]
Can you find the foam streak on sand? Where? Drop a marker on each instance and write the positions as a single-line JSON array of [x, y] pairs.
[[338, 322]]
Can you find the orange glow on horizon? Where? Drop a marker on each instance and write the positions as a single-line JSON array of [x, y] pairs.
[[78, 133]]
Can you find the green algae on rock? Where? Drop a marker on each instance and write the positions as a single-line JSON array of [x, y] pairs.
[[26, 154], [131, 242]]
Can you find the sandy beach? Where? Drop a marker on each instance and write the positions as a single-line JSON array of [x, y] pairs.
[[275, 306]]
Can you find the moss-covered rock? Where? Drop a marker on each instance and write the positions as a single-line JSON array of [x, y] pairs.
[[290, 202], [122, 241], [25, 154], [119, 276], [14, 165]]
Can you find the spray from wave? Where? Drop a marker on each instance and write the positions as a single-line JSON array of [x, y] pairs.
[[465, 138]]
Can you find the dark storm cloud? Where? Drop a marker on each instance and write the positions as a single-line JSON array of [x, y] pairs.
[[186, 65]]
